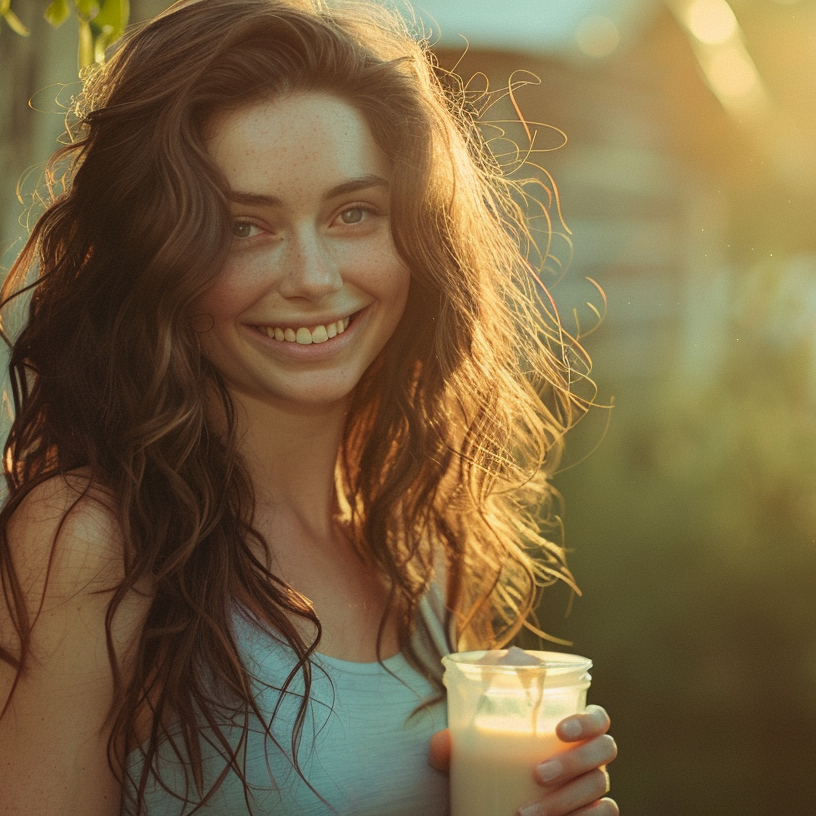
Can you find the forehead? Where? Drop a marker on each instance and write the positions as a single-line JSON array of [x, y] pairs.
[[303, 140]]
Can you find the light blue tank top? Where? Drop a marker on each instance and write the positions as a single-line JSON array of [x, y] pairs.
[[364, 747]]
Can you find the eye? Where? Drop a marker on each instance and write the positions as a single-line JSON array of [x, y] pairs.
[[244, 229], [354, 215]]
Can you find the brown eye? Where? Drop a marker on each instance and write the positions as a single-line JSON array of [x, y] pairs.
[[242, 229]]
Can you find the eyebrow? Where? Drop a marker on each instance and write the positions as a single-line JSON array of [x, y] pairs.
[[351, 186]]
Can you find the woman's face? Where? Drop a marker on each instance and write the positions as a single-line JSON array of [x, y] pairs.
[[313, 287]]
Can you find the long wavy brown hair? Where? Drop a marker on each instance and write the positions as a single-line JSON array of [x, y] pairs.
[[451, 435]]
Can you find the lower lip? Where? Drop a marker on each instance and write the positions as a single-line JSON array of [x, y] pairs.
[[311, 351]]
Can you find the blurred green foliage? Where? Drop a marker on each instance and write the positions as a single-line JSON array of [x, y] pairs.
[[101, 22], [12, 20], [693, 530]]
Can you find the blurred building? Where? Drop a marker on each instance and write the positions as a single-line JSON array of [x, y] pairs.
[[667, 119]]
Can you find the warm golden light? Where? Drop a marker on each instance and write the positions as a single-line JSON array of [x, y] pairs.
[[597, 36], [731, 72], [711, 21], [728, 67]]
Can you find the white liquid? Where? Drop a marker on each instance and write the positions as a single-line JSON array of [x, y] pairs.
[[492, 770]]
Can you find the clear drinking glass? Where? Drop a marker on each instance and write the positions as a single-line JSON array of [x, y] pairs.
[[502, 720]]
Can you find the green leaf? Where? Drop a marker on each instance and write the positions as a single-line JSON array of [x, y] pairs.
[[57, 12], [113, 14], [86, 44], [15, 24], [87, 9]]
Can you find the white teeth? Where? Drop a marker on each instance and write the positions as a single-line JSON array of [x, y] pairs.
[[304, 336]]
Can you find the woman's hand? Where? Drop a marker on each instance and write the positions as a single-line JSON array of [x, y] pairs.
[[573, 783]]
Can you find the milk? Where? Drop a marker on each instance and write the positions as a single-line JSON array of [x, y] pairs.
[[503, 708], [492, 770]]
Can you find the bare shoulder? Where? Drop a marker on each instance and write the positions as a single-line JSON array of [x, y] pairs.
[[67, 553], [65, 531], [57, 693]]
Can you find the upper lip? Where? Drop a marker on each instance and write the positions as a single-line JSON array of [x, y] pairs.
[[308, 322]]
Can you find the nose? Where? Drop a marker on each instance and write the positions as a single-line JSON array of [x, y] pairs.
[[310, 269]]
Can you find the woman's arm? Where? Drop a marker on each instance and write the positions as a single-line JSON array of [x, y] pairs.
[[55, 729], [574, 783]]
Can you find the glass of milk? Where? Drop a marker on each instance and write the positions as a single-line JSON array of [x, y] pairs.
[[503, 707]]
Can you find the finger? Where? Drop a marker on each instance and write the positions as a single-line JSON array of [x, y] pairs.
[[603, 807], [568, 800], [440, 751], [576, 761], [590, 723]]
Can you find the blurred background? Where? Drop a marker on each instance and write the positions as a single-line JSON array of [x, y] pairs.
[[680, 134]]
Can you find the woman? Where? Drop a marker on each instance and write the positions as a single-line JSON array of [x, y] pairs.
[[286, 400]]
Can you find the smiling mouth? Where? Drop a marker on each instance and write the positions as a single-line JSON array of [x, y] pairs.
[[305, 336]]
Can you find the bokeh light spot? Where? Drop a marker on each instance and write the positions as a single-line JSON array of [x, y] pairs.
[[732, 73], [597, 36], [711, 21]]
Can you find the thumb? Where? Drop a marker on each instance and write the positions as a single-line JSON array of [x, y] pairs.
[[440, 751]]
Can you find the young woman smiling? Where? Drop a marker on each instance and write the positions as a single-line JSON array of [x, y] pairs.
[[287, 398]]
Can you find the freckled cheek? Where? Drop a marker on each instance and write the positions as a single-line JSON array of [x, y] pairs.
[[386, 273], [389, 285], [402, 278], [235, 289]]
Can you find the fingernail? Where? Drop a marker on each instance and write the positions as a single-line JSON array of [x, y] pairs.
[[571, 729], [529, 810], [547, 771]]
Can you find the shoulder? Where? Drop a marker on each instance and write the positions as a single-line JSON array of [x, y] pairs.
[[64, 559], [65, 531], [63, 652]]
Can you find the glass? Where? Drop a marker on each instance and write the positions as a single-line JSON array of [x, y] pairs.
[[502, 720]]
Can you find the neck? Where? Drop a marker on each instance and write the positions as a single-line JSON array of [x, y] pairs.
[[291, 454], [291, 457]]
